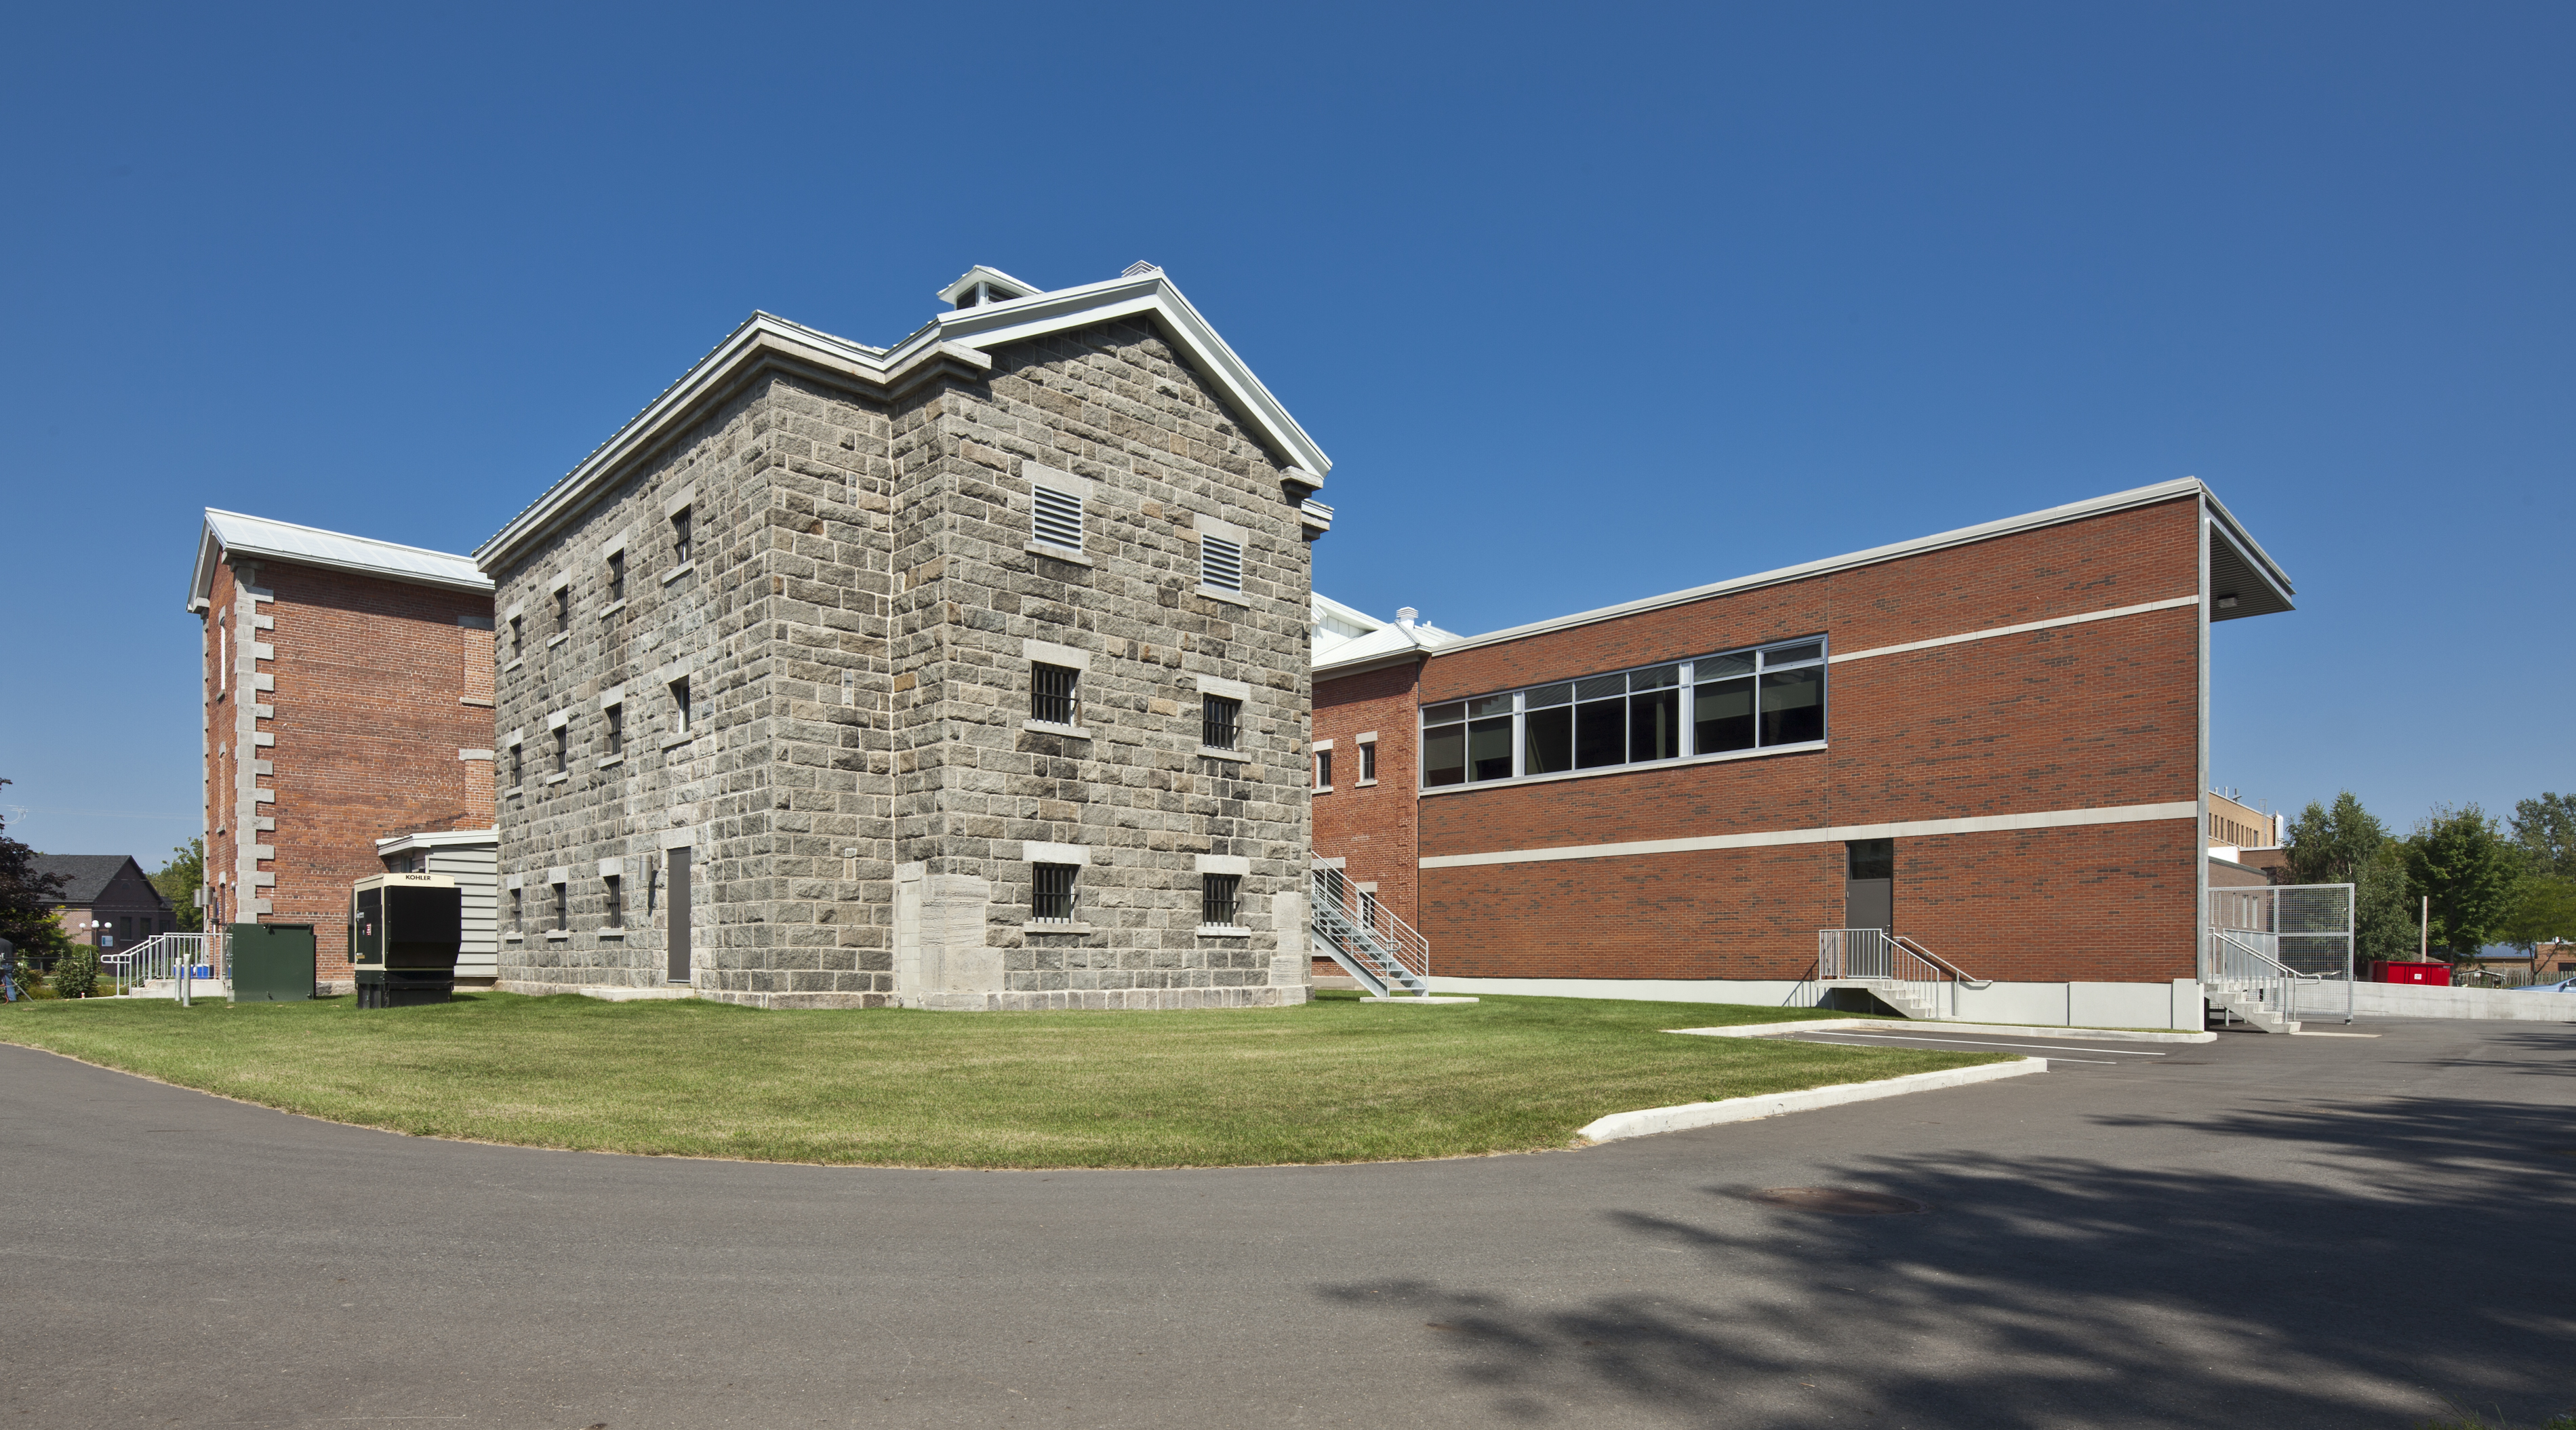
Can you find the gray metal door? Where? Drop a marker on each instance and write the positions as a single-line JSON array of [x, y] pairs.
[[1869, 885], [677, 939]]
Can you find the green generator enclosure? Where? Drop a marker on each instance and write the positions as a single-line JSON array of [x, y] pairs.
[[404, 934], [271, 963]]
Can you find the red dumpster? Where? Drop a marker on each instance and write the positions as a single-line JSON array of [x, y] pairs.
[[2437, 974]]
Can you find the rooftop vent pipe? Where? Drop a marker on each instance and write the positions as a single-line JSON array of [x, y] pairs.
[[1405, 616]]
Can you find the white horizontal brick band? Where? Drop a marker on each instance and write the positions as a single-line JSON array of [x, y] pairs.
[[2027, 626], [1833, 834]]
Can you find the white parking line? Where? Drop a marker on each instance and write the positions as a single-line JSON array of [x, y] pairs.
[[1992, 1044]]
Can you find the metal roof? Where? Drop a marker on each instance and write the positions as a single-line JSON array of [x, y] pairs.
[[233, 533]]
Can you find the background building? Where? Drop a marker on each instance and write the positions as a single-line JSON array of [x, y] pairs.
[[106, 900], [1994, 740], [968, 673], [348, 698]]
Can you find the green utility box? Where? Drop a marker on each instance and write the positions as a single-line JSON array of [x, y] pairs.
[[404, 934], [271, 963]]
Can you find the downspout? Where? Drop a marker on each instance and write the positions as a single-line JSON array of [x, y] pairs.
[[2200, 790]]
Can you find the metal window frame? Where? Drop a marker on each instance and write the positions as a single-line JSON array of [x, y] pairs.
[[1686, 683], [1071, 696], [1215, 733]]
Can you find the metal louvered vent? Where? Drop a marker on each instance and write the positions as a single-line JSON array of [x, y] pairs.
[[1058, 518], [1220, 564]]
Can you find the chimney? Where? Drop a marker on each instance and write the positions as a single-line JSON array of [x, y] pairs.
[[1405, 616]]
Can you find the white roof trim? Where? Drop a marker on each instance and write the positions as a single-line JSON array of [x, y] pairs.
[[262, 538], [439, 839], [963, 336], [2053, 516]]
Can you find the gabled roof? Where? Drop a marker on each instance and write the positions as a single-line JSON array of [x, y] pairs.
[[87, 875], [232, 533], [959, 341], [1378, 642]]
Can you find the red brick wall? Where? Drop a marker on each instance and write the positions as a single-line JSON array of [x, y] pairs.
[[1372, 827], [378, 687], [2099, 714]]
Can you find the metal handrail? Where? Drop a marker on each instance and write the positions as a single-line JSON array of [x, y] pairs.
[[175, 958], [1357, 927], [1873, 955], [1966, 979]]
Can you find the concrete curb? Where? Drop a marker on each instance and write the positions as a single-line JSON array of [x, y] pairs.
[[2045, 1030], [1649, 1121]]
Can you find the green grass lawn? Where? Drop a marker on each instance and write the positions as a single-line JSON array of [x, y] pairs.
[[1333, 1081]]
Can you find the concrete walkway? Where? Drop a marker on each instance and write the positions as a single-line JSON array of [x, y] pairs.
[[2260, 1231]]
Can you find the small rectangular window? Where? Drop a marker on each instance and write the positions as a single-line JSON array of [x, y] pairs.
[[518, 764], [563, 749], [1220, 900], [1220, 722], [518, 638], [563, 609], [1220, 564], [616, 733], [680, 538], [616, 576], [1056, 517], [1051, 893], [1055, 694], [680, 706], [563, 908], [1323, 769], [518, 911], [1368, 763], [615, 889]]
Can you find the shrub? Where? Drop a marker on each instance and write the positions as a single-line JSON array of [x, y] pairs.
[[75, 974]]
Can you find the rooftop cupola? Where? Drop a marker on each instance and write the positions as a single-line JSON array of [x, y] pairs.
[[981, 285]]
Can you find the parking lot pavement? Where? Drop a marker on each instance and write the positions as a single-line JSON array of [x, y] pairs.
[[2286, 1232], [2068, 1053]]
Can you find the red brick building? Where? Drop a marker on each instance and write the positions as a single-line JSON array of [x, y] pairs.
[[348, 698], [1993, 740]]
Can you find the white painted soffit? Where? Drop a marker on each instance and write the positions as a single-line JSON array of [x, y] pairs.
[[260, 538], [441, 839], [1379, 645], [2031, 521], [965, 335]]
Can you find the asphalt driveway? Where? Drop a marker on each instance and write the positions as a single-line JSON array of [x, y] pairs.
[[2262, 1231]]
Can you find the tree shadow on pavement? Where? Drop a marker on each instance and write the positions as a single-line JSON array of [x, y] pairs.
[[2365, 1264]]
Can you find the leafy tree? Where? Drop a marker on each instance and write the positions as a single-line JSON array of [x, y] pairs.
[[2384, 908], [179, 880], [24, 916], [2333, 845], [2545, 913], [2546, 828], [2473, 873]]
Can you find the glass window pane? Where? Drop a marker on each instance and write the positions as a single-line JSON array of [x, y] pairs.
[[1490, 705], [1557, 694], [1655, 725], [1793, 706], [1721, 667], [1601, 734], [1872, 858], [1600, 686], [1724, 716], [1443, 714], [1444, 756], [1656, 679], [1791, 654], [1489, 749], [1547, 740]]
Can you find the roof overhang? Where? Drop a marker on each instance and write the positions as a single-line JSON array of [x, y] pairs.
[[2179, 489], [2243, 578], [439, 839], [260, 538], [958, 342]]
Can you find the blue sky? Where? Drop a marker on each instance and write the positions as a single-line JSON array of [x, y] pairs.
[[1586, 304]]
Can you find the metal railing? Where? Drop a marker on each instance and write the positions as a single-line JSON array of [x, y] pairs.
[[2303, 933], [1359, 933], [1927, 979], [189, 962]]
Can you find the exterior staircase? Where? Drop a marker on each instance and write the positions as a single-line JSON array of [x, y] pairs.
[[1892, 968], [1382, 952], [2243, 979], [2247, 1005]]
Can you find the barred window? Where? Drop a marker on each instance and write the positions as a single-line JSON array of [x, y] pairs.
[[680, 706], [682, 545], [1220, 564], [616, 891], [616, 734], [1056, 517], [616, 576], [1742, 700], [1220, 722], [563, 909], [1051, 893], [563, 748], [518, 638], [563, 609], [1220, 900], [518, 764], [1054, 694]]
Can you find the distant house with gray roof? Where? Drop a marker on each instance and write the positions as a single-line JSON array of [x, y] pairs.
[[105, 900]]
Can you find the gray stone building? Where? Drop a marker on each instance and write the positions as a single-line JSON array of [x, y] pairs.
[[969, 672]]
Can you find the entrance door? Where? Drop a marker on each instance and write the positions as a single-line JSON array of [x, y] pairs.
[[1869, 885], [677, 917]]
